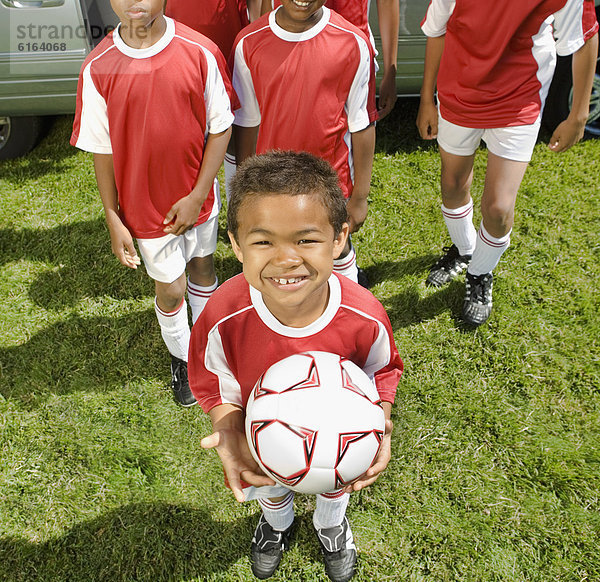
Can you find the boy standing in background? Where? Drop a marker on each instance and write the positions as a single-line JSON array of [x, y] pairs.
[[153, 105]]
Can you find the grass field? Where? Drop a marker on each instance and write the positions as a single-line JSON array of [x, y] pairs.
[[496, 452]]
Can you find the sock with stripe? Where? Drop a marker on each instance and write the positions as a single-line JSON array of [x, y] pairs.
[[330, 509], [175, 329], [279, 514], [198, 296], [347, 266], [459, 222], [488, 251]]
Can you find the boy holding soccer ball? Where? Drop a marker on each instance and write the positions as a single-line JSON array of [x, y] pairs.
[[287, 222]]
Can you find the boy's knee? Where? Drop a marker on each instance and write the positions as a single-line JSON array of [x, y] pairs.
[[202, 270], [170, 295]]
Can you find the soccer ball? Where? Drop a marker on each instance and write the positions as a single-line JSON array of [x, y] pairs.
[[314, 422]]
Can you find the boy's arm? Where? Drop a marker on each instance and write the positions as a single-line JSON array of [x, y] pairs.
[[571, 130], [120, 237], [266, 6], [245, 142], [254, 9], [389, 21], [427, 117], [184, 213], [381, 460], [229, 438], [363, 150]]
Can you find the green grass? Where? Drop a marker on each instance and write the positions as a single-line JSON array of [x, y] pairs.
[[496, 463]]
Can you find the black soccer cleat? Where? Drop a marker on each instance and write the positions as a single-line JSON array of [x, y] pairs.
[[477, 305], [179, 383], [267, 548], [339, 551], [447, 267]]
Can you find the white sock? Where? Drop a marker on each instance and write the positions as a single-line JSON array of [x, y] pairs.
[[280, 514], [198, 296], [347, 266], [459, 222], [488, 251], [230, 167], [330, 509], [175, 329]]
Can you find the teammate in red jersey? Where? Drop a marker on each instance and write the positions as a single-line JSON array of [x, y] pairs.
[[287, 223], [153, 105], [493, 64], [388, 16], [305, 80]]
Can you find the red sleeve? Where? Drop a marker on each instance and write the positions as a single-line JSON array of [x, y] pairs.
[[589, 21]]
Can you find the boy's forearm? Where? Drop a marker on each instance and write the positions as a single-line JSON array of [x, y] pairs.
[[254, 9], [227, 416], [245, 142], [266, 6], [363, 150], [105, 178], [433, 57], [584, 67], [214, 153], [389, 21]]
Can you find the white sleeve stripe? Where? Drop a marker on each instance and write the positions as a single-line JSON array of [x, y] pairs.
[[380, 354], [356, 106], [248, 115], [94, 134]]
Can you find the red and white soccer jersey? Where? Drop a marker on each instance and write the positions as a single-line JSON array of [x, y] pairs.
[[499, 57], [236, 338], [219, 20], [153, 109], [308, 91]]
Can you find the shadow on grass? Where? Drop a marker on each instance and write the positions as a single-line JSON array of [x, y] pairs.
[[84, 264], [84, 354], [146, 542], [48, 157]]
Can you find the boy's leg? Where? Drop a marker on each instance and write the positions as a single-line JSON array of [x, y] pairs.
[[202, 282], [272, 534], [200, 243], [502, 181], [171, 312], [334, 535], [345, 264], [457, 147]]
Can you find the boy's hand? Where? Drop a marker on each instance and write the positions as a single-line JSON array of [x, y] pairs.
[[122, 245], [357, 208], [427, 120], [387, 93], [183, 214], [379, 464], [567, 134], [237, 460]]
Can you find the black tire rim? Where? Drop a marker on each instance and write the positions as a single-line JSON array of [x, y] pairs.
[[4, 131]]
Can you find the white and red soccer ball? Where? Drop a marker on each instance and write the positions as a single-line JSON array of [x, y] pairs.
[[314, 422]]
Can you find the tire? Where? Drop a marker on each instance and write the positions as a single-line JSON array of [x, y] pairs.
[[18, 135], [560, 98]]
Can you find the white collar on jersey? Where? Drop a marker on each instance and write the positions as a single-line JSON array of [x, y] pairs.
[[335, 300], [298, 36], [145, 53]]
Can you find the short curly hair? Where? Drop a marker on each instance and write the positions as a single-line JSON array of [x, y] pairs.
[[291, 173]]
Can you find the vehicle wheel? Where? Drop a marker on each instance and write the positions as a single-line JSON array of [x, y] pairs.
[[18, 135], [560, 98]]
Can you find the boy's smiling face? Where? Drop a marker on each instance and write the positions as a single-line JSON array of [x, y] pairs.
[[287, 245], [299, 15]]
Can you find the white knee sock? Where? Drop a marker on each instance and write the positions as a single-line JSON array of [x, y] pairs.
[[330, 509], [230, 167], [459, 222], [198, 296], [347, 266], [488, 251], [175, 329], [279, 515]]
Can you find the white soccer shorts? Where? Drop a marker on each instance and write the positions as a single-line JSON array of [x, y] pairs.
[[513, 143], [166, 257]]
